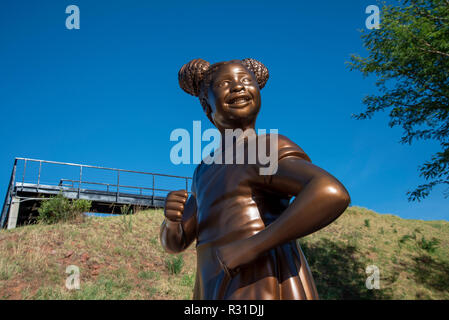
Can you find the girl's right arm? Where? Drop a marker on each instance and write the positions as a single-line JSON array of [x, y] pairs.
[[178, 230]]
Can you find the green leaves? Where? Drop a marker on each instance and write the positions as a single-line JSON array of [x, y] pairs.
[[60, 208], [409, 55]]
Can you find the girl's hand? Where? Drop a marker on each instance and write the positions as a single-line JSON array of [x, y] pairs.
[[236, 254], [174, 205]]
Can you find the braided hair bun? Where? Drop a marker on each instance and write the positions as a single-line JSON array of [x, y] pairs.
[[191, 75], [259, 70]]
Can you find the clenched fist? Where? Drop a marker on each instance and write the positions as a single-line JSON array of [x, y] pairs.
[[174, 205]]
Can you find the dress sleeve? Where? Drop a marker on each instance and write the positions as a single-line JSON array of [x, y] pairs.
[[288, 148], [193, 186]]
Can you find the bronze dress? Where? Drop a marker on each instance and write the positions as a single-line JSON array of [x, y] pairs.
[[235, 202]]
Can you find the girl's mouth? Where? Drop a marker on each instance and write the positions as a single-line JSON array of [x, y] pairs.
[[239, 101]]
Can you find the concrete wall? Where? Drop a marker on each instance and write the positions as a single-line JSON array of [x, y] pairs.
[[13, 213]]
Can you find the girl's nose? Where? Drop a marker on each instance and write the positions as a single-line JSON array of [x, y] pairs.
[[237, 87]]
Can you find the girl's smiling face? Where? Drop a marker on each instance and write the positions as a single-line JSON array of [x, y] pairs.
[[234, 97]]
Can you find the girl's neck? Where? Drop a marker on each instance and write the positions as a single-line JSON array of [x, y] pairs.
[[231, 136]]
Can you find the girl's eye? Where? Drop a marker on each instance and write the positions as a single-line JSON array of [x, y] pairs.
[[222, 83], [246, 80]]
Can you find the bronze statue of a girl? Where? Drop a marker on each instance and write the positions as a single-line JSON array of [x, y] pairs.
[[244, 223]]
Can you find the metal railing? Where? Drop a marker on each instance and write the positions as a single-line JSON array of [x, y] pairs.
[[79, 183], [72, 183]]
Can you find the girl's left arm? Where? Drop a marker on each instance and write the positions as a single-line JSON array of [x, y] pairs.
[[320, 199]]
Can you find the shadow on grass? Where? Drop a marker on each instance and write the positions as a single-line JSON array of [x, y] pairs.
[[431, 273], [337, 273]]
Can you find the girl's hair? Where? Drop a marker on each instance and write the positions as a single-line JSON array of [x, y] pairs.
[[195, 77]]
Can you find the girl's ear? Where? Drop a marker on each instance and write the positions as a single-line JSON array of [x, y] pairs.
[[208, 111], [211, 120], [206, 108], [205, 104]]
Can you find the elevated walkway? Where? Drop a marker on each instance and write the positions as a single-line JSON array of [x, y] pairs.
[[100, 185]]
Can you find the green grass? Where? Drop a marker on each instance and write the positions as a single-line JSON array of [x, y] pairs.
[[174, 264], [121, 258], [116, 261], [412, 256]]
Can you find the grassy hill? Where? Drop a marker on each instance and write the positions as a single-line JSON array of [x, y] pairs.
[[121, 258]]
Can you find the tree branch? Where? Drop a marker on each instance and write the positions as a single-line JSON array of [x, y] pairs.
[[433, 50]]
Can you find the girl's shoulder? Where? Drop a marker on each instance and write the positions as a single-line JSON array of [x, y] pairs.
[[286, 147]]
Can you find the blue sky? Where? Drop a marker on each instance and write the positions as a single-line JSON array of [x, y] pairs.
[[107, 94]]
